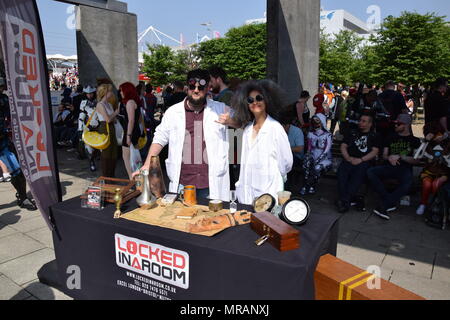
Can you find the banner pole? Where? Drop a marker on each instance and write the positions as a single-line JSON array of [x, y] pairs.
[[44, 54]]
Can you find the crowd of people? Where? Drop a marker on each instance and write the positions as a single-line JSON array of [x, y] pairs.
[[284, 145], [68, 77]]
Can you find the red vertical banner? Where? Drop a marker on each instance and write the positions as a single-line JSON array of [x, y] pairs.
[[28, 91]]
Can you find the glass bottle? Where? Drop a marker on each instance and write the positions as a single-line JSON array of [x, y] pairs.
[[233, 204]]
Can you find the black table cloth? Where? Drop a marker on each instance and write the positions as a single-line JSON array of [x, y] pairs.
[[228, 266]]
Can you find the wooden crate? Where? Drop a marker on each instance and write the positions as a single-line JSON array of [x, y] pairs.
[[338, 280]]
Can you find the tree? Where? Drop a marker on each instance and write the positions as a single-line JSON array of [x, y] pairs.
[[339, 57], [242, 52], [164, 65], [412, 48]]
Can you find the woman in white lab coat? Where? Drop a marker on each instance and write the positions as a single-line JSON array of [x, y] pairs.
[[266, 153]]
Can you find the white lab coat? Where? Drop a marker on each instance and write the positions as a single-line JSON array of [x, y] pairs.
[[264, 162], [171, 132]]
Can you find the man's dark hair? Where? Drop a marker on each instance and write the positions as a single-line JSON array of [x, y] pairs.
[[178, 85], [199, 74], [389, 83], [148, 88], [218, 72], [305, 94]]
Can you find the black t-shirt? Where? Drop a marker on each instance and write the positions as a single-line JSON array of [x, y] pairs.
[[402, 146], [393, 102], [360, 144], [436, 107]]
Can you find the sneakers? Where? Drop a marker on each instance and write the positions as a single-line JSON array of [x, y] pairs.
[[92, 166], [421, 210], [312, 190], [7, 178], [359, 204], [392, 209], [303, 191], [382, 213]]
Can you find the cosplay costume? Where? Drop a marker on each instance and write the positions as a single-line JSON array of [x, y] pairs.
[[318, 159]]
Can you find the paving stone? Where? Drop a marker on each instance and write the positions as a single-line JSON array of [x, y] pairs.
[[17, 245], [44, 292], [441, 270], [25, 268], [360, 257], [30, 224], [11, 291], [428, 288], [43, 235], [18, 215], [347, 236], [6, 231], [409, 258]]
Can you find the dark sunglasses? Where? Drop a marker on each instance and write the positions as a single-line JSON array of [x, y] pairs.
[[193, 84], [258, 98]]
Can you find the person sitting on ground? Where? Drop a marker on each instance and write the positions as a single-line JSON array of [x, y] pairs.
[[318, 158], [359, 149], [297, 142], [436, 172], [59, 121], [398, 152]]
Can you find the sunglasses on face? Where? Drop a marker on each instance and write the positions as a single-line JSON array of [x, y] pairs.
[[258, 98], [201, 84]]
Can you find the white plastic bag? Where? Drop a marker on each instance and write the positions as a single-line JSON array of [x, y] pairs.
[[119, 132], [135, 159]]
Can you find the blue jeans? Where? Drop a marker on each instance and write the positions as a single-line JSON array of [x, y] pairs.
[[402, 173], [350, 179]]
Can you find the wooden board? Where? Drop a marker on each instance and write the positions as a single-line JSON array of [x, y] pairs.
[[338, 280], [166, 217]]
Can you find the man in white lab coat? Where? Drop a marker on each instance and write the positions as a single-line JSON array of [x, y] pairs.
[[197, 134]]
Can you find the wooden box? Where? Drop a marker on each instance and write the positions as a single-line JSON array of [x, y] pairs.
[[338, 280], [127, 188], [281, 235]]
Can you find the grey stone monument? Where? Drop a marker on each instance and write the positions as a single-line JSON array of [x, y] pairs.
[[106, 41], [293, 31]]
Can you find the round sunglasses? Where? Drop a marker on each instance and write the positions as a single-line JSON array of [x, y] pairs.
[[258, 98], [193, 84]]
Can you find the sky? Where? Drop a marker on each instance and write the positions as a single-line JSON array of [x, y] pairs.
[[176, 17]]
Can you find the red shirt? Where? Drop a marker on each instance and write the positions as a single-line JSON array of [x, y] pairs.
[[194, 167]]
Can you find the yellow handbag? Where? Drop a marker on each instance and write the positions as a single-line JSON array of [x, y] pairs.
[[94, 139], [142, 142]]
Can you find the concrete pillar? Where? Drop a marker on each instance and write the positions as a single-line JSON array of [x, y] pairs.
[[293, 45], [107, 45]]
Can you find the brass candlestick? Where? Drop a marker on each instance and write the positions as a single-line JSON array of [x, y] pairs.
[[118, 200]]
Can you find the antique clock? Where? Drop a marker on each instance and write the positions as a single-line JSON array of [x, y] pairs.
[[296, 212], [263, 203]]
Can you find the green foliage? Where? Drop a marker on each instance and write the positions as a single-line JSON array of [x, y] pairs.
[[412, 48], [242, 52], [339, 57], [164, 65]]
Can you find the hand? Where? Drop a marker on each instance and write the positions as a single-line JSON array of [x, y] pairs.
[[224, 119], [356, 162], [128, 141], [139, 172], [394, 160]]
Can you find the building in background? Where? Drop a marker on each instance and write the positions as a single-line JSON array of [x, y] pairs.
[[333, 22]]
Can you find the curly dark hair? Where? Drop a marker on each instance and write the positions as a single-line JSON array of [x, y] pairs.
[[273, 98]]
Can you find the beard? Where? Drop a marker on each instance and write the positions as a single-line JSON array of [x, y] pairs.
[[197, 103]]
